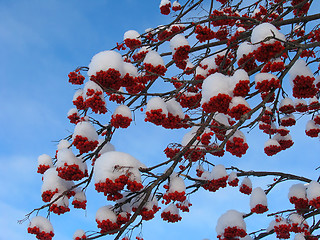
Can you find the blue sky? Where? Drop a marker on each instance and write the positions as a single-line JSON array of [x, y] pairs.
[[40, 43]]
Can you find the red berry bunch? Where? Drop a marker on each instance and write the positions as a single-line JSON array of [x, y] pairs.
[[59, 209], [76, 77], [158, 70], [119, 121], [271, 150], [165, 8], [237, 111], [132, 43], [219, 103], [123, 218], [170, 217], [174, 196], [232, 233], [203, 33], [107, 226], [112, 188], [79, 204], [71, 172], [47, 195], [42, 168], [95, 101], [214, 184], [303, 87], [247, 62], [245, 189], [242, 88], [259, 208], [110, 78], [234, 182], [268, 51], [118, 98], [41, 235], [79, 103], [155, 116], [237, 146], [190, 100], [83, 144]]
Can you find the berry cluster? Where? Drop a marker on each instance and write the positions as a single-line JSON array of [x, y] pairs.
[[303, 87], [47, 195], [155, 116], [59, 209], [71, 172], [42, 168], [247, 62], [237, 146], [41, 235], [245, 189], [259, 208], [174, 196], [237, 111], [232, 233], [214, 184], [132, 43], [76, 77], [95, 101], [170, 217], [79, 204], [108, 79], [219, 103], [242, 88], [83, 144], [271, 150], [119, 121], [203, 33], [112, 188], [268, 51], [191, 101], [107, 226]]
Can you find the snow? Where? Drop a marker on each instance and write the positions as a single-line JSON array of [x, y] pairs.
[[238, 75], [222, 119], [42, 223], [106, 147], [45, 159], [153, 58], [299, 236], [123, 110], [189, 135], [299, 68], [113, 164], [79, 233], [271, 142], [172, 208], [313, 190], [178, 41], [78, 93], [105, 213], [263, 31], [91, 85], [66, 156], [62, 201], [131, 34], [311, 125], [80, 196], [244, 49], [215, 84], [258, 196], [286, 101], [296, 218], [259, 77], [219, 171], [72, 111], [231, 218], [176, 184], [235, 101], [104, 61], [157, 103], [85, 129], [175, 108], [164, 2], [298, 101], [246, 181], [130, 69], [232, 176], [51, 181]]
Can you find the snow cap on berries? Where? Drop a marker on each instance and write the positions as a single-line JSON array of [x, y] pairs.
[[155, 103], [178, 41], [42, 223], [313, 190], [130, 69], [300, 67], [113, 164], [297, 190], [131, 34], [123, 110], [104, 61], [80, 234], [266, 30], [51, 182], [105, 213], [175, 108], [106, 147], [153, 58], [85, 129], [44, 162], [213, 85], [230, 219], [244, 49], [258, 197], [219, 171]]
